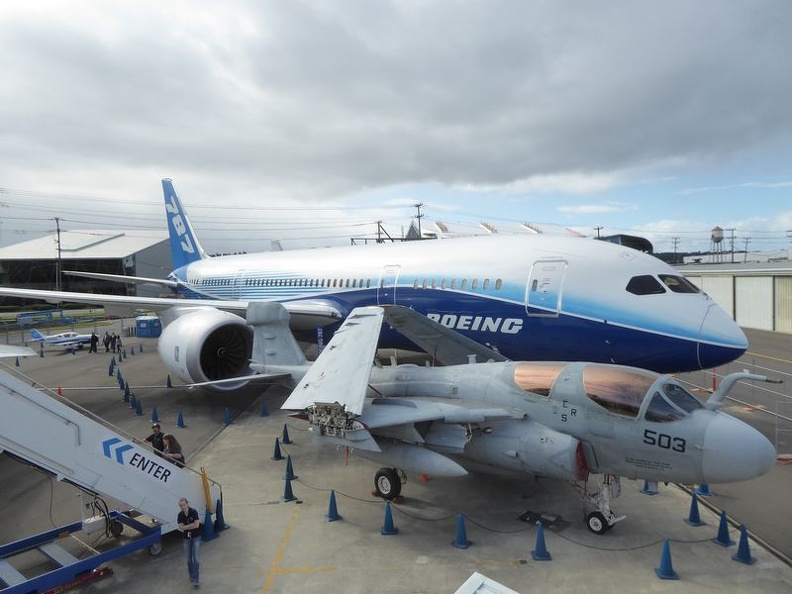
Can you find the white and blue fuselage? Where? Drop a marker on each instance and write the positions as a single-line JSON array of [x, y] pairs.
[[529, 297]]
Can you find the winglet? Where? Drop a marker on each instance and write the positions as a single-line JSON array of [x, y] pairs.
[[183, 242]]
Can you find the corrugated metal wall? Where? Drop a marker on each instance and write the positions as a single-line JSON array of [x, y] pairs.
[[783, 304], [754, 301], [721, 289]]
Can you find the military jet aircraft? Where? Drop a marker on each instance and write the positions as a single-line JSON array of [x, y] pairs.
[[561, 420]]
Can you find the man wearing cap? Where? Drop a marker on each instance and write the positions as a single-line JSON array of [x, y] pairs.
[[155, 439]]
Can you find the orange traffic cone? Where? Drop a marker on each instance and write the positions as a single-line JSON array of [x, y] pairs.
[[60, 390]]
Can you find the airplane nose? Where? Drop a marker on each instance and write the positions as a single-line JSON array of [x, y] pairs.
[[721, 340], [735, 451]]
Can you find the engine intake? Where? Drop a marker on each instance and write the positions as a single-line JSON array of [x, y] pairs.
[[207, 345]]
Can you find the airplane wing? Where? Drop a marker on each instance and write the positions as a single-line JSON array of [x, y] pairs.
[[16, 351], [306, 314], [444, 344], [67, 344], [140, 280], [341, 373], [253, 379]]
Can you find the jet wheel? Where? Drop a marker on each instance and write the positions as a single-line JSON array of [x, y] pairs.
[[597, 523], [387, 483]]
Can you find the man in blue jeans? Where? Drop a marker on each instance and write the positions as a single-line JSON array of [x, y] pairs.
[[190, 527]]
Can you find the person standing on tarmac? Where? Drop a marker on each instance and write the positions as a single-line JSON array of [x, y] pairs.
[[190, 527]]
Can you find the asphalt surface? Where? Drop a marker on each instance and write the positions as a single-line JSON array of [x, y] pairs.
[[274, 546], [763, 504]]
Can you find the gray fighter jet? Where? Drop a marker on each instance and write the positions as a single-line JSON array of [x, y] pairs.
[[577, 422]]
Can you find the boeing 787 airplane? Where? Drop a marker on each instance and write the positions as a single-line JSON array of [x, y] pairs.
[[528, 297]]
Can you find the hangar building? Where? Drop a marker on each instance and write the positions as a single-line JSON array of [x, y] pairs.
[[756, 294], [34, 264]]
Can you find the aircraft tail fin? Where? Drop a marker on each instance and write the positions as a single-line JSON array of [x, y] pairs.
[[183, 242], [36, 335]]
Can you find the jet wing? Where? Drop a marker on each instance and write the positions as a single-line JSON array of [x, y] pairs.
[[305, 314], [444, 344], [396, 418], [385, 412], [341, 373]]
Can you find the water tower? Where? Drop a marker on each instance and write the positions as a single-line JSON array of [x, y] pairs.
[[716, 244]]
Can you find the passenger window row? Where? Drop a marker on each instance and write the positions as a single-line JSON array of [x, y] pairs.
[[455, 284]]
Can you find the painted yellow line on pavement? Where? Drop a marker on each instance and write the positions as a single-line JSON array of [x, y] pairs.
[[769, 357], [276, 569], [281, 549]]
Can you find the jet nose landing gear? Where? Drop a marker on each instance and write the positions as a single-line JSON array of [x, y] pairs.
[[602, 518]]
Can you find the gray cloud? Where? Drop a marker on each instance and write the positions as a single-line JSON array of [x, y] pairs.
[[309, 100]]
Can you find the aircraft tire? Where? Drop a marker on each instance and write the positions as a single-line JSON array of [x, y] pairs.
[[387, 483], [597, 523]]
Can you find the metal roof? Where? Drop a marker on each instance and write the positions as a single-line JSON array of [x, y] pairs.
[[85, 245]]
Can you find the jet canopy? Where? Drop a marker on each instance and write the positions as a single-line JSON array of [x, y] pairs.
[[619, 390]]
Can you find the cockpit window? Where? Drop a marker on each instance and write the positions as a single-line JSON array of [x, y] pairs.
[[673, 404], [678, 284], [537, 378], [682, 398], [645, 284], [661, 411], [617, 389]]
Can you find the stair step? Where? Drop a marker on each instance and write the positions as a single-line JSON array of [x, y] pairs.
[[10, 575], [58, 554]]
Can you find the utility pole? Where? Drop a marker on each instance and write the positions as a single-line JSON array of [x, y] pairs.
[[419, 217], [597, 229], [747, 240], [732, 230], [58, 263]]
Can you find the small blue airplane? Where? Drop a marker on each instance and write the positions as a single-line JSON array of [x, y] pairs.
[[66, 340]]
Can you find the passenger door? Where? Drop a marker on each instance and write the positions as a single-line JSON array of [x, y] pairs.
[[544, 290], [386, 290]]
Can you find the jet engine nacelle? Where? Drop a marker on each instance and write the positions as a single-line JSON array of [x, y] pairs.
[[529, 447], [206, 345]]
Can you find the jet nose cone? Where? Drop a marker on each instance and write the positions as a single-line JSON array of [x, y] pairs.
[[735, 451], [721, 340]]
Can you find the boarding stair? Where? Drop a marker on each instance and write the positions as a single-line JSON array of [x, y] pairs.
[[72, 446]]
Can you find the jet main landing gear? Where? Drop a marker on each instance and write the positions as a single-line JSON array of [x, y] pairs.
[[387, 483]]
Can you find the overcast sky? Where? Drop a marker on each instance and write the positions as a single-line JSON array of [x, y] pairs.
[[294, 119]]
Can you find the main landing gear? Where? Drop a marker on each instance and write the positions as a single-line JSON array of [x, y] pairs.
[[387, 483]]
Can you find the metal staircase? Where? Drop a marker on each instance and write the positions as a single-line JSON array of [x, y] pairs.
[[69, 444]]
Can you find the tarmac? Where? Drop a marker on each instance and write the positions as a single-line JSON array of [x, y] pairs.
[[276, 546]]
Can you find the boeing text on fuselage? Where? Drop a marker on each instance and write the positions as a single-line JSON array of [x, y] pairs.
[[477, 323]]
